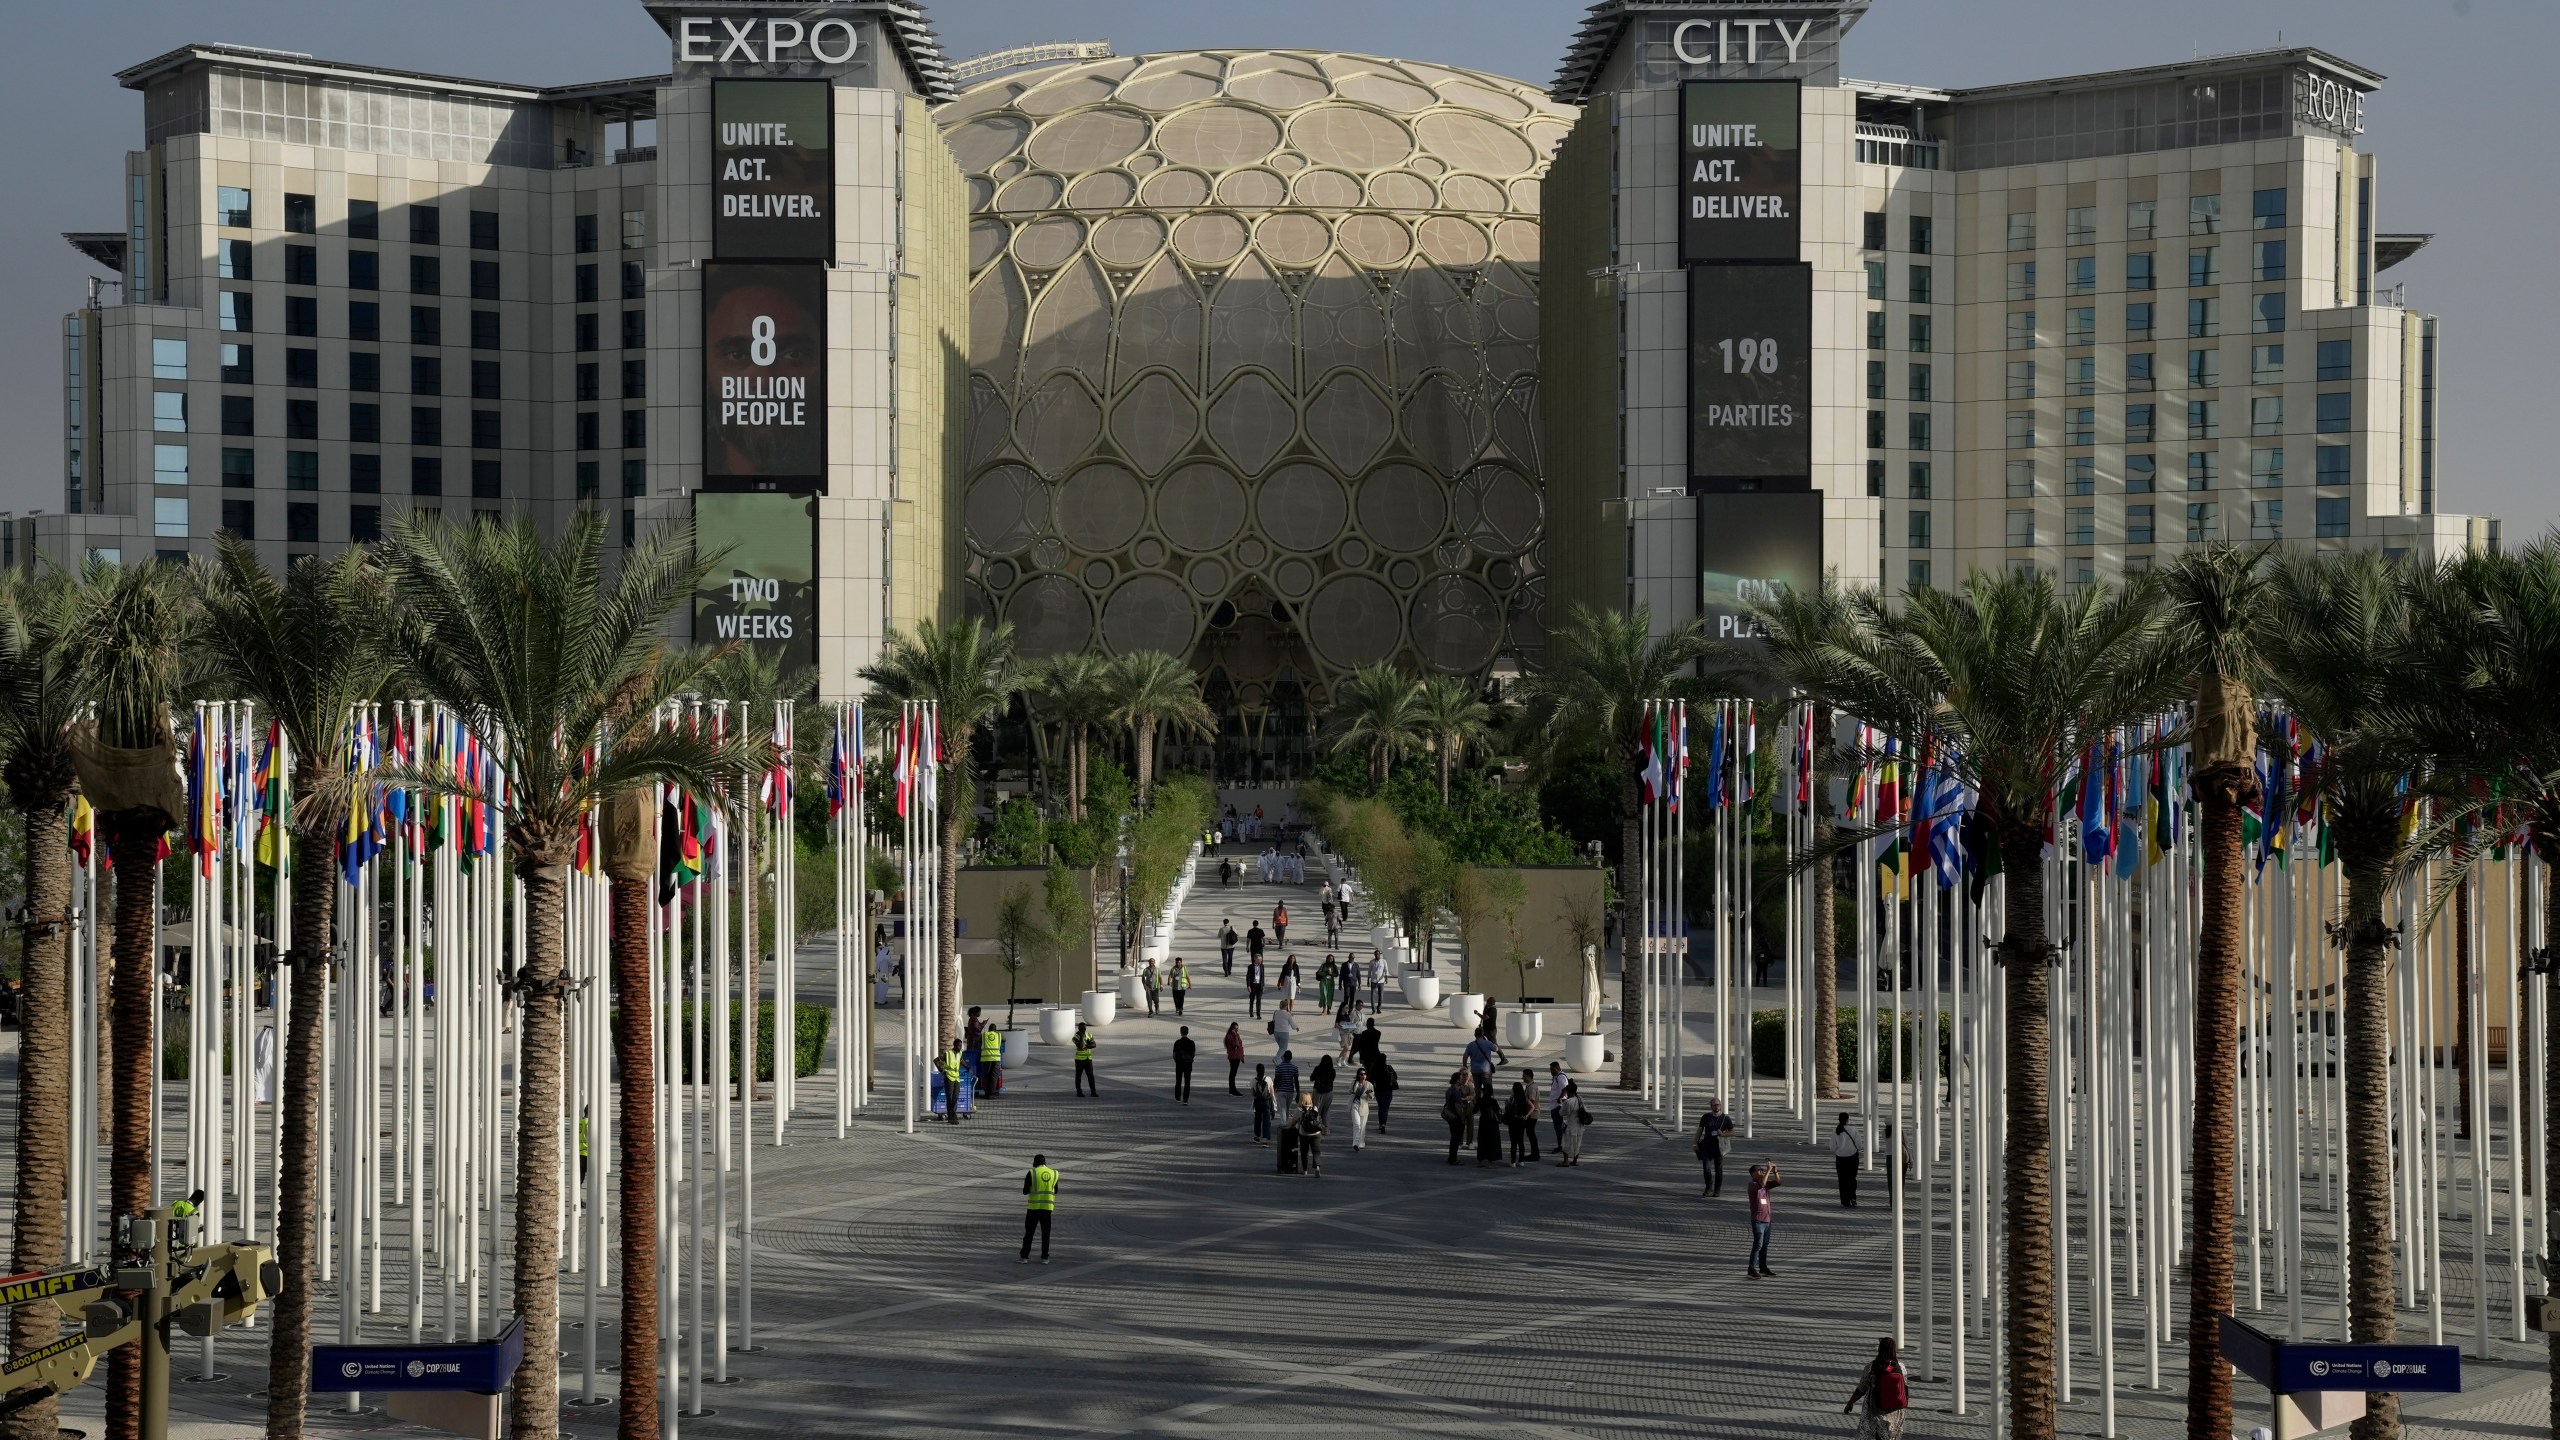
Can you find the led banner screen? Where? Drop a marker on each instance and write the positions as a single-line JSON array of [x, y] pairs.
[[764, 348], [1741, 170], [762, 590], [1750, 375], [1751, 549], [773, 169]]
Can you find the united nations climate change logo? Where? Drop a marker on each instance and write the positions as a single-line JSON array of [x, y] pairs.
[[2319, 1367], [352, 1370]]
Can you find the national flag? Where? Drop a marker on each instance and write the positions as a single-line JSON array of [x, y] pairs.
[[1676, 775], [2160, 814], [2129, 804], [1750, 752], [1953, 808], [1923, 801], [83, 827], [1715, 761], [1649, 783], [275, 803], [204, 812], [902, 759], [2097, 838], [679, 851]]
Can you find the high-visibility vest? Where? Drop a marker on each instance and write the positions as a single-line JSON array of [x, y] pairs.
[[1084, 1047], [1044, 1189], [582, 1137], [951, 1066], [184, 1208], [1181, 978], [991, 1045]]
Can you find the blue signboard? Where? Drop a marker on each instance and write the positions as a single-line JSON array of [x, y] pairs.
[[2368, 1367], [485, 1366]]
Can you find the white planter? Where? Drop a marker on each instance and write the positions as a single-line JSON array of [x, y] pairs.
[[1585, 1053], [1100, 1006], [1523, 1029], [1057, 1027], [1017, 1043], [1422, 992], [1465, 1011], [1133, 992]]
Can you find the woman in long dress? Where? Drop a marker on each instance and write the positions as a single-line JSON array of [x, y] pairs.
[[1361, 1091], [1576, 1120]]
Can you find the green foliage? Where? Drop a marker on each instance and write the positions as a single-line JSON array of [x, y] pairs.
[[1481, 823], [1160, 840], [1769, 1041], [177, 1062], [814, 1022], [1017, 837], [1579, 797]]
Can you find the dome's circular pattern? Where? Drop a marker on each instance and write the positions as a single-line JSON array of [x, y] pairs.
[[1253, 348]]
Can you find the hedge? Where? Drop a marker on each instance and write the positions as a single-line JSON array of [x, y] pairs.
[[1769, 1040], [814, 1023], [177, 1061]]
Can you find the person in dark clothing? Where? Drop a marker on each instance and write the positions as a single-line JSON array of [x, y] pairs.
[[1365, 1048], [1253, 984], [1713, 1126], [1488, 1131], [1263, 1105], [1183, 1051], [1382, 1079], [1235, 1055], [1311, 1140], [1084, 1060], [1254, 940], [1320, 1080], [1226, 947], [1453, 1110], [1520, 1118]]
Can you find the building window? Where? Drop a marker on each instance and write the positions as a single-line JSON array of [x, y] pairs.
[[484, 379], [168, 464], [2022, 379], [484, 229], [364, 270], [2332, 465], [2080, 325], [2204, 317], [302, 522], [2080, 375], [364, 220], [301, 215], [2204, 419], [2269, 319], [1919, 430], [426, 224], [1919, 327], [2084, 475], [2080, 275], [235, 311], [169, 516], [2204, 521], [583, 232], [2141, 219], [1920, 284], [238, 365], [231, 207], [302, 469], [584, 286], [1875, 477], [1875, 378], [302, 264], [2022, 429], [1875, 429], [169, 410], [2080, 225], [1916, 576], [2020, 478], [2022, 279], [364, 474], [364, 424], [2204, 214], [426, 425], [364, 320], [2022, 231], [2138, 272], [426, 275], [2137, 321], [2080, 527], [168, 359], [635, 280], [2203, 468], [2267, 208], [301, 368], [1919, 384], [635, 329], [2204, 265], [1921, 238], [1919, 480], [2022, 529], [2266, 415], [1872, 232], [2270, 261], [2204, 369], [591, 430], [302, 315], [2083, 426], [484, 479], [2137, 524], [364, 524], [484, 430], [302, 419], [2137, 373], [364, 370], [484, 329], [587, 330], [2336, 360], [589, 472], [2141, 422], [635, 429], [2329, 514], [426, 475], [239, 468], [1919, 530], [630, 527], [2266, 468], [635, 229], [2336, 412], [2022, 329], [426, 375], [635, 477], [1875, 279], [2141, 474], [2266, 364], [2266, 519], [588, 389], [484, 279], [239, 415], [426, 325]]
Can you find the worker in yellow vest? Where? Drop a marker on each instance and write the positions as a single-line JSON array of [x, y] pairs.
[[949, 1065], [990, 1059], [1084, 1060], [1039, 1205]]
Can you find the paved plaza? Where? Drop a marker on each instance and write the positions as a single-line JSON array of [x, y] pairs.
[[1196, 1292]]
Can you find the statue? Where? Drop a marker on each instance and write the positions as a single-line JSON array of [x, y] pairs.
[[1590, 989]]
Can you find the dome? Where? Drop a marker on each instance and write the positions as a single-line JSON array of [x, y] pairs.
[[1253, 355]]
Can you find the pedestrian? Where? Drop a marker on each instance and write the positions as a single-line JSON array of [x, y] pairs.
[[1482, 1056], [1845, 1152], [1528, 1087], [1288, 979], [1284, 1082], [1320, 1080], [1346, 1024], [1324, 982], [1183, 1051], [969, 1037], [1333, 918], [1555, 1099], [1253, 986], [949, 1065], [1488, 1130], [1456, 1112], [1153, 984], [1713, 1126], [1226, 947], [1280, 923], [1265, 1100], [1764, 1181], [1383, 1078], [1180, 984], [1887, 1393], [1255, 939], [1577, 1119], [1377, 981], [990, 1061], [1039, 1206], [1310, 1137], [1235, 1055], [1084, 1060], [1284, 1025], [1365, 1045], [1363, 1093], [1520, 1120]]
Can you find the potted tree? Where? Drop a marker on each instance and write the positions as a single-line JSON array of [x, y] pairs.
[[1586, 1049], [1020, 936], [1069, 927], [1523, 1025]]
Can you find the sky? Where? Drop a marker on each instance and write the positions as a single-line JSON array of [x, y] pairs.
[[2460, 157]]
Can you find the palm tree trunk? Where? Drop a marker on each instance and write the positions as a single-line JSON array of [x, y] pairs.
[[1142, 735], [2371, 1317], [1443, 748], [314, 899], [2027, 1157], [1632, 999], [636, 1149], [2462, 1008], [44, 1090], [2224, 790], [533, 1406], [1076, 775], [133, 838]]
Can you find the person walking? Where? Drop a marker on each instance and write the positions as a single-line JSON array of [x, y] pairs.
[[1520, 1120], [1528, 1088], [1084, 1061], [1482, 1056], [1382, 1078], [1713, 1126], [1039, 1206], [1280, 923], [949, 1065], [1325, 974], [1284, 1083], [1377, 982], [1153, 983], [1253, 986], [1284, 1026], [1265, 1100], [1555, 1099], [1320, 1080], [1577, 1120], [1845, 1153], [1226, 947], [1457, 1112], [1365, 1045], [1363, 1092], [1346, 1026], [990, 1061], [1333, 918], [1288, 979], [1488, 1129], [1886, 1392], [1310, 1137], [1180, 984], [1235, 1055], [1183, 1051], [1765, 1181], [1254, 939]]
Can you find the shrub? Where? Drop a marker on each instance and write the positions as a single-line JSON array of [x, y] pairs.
[[814, 1023], [1769, 1041]]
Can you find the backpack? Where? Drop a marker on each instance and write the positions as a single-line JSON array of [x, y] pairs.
[[1893, 1390]]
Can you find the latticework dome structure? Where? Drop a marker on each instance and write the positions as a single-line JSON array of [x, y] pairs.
[[1253, 362]]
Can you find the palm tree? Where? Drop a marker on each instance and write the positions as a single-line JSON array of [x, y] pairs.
[[2217, 596], [299, 648], [1603, 667], [1453, 719], [1151, 689], [967, 670], [40, 697], [2010, 682], [1376, 710], [130, 640], [1075, 688], [540, 654]]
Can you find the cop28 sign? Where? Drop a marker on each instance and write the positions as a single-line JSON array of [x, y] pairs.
[[773, 169], [1741, 170]]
